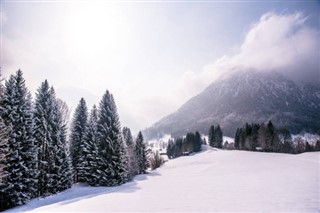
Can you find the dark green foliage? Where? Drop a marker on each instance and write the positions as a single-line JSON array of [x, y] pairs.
[[248, 137], [19, 152], [141, 153], [218, 137], [272, 142], [197, 142], [184, 146], [269, 139], [317, 147], [308, 148], [170, 148], [215, 136], [89, 167], [187, 145], [211, 136], [237, 139], [113, 165], [255, 136], [77, 139], [4, 150], [50, 137]]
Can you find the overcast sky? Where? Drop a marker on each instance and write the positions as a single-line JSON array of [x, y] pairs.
[[153, 56]]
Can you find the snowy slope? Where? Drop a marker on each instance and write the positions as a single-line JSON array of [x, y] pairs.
[[213, 180]]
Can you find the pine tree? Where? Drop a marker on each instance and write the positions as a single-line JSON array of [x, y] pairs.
[[188, 143], [170, 149], [54, 162], [255, 135], [197, 142], [4, 152], [211, 136], [20, 158], [77, 139], [215, 136], [308, 148], [90, 170], [63, 162], [218, 137], [317, 147], [111, 147], [237, 139], [141, 153], [131, 155], [272, 139]]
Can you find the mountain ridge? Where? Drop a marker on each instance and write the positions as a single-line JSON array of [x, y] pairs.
[[246, 96]]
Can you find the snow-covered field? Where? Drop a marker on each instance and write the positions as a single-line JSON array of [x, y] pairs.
[[213, 180]]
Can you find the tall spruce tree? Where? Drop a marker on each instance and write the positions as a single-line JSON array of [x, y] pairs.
[[54, 162], [272, 138], [4, 152], [197, 142], [141, 153], [211, 135], [113, 165], [77, 139], [218, 137], [215, 136], [133, 168], [237, 139], [63, 164], [89, 170], [20, 172]]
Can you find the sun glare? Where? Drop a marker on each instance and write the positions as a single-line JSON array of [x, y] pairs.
[[97, 30]]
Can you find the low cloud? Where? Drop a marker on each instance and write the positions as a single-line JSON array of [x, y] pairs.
[[277, 42]]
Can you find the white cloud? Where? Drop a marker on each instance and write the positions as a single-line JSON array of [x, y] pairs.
[[282, 43], [279, 42]]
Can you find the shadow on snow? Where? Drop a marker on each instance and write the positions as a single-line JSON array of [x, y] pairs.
[[80, 191]]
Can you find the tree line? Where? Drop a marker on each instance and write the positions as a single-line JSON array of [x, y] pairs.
[[192, 142], [184, 145], [37, 159], [267, 138]]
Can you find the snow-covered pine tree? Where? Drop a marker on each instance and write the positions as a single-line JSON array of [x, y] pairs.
[[141, 153], [50, 135], [111, 146], [4, 151], [91, 159], [77, 139], [133, 168], [19, 184], [63, 164]]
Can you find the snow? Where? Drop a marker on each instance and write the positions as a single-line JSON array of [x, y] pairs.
[[212, 180], [306, 137], [224, 139]]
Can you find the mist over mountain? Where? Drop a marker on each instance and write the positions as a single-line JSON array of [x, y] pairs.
[[246, 96]]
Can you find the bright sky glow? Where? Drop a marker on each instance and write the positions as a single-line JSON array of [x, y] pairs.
[[152, 56]]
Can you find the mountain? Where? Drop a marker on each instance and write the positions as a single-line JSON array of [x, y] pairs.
[[243, 97]]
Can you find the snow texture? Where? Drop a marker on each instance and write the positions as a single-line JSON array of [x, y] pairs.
[[212, 180]]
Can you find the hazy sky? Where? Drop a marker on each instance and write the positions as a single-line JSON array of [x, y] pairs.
[[153, 56]]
